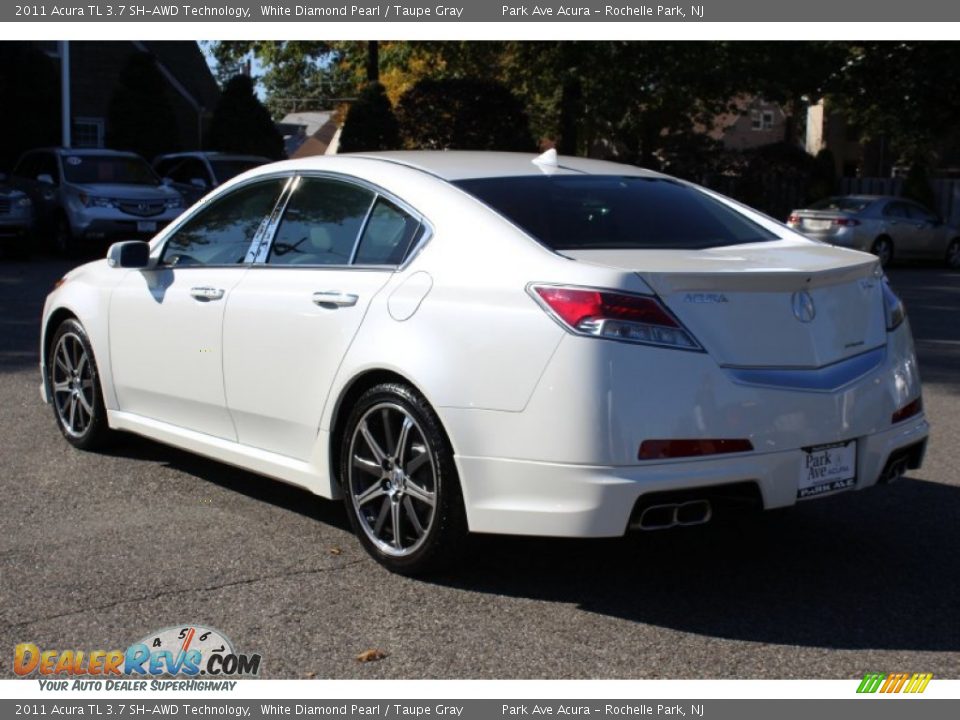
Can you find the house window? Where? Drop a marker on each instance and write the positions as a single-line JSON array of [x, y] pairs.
[[88, 132], [762, 119]]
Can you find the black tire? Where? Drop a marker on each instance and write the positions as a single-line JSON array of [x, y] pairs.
[[883, 248], [63, 240], [83, 422], [383, 410], [952, 257]]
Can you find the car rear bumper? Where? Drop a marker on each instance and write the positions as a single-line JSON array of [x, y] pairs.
[[564, 500]]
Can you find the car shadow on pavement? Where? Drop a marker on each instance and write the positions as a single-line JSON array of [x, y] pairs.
[[233, 479], [876, 569]]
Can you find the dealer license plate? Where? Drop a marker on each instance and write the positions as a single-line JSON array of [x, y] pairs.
[[816, 224], [146, 226], [827, 468]]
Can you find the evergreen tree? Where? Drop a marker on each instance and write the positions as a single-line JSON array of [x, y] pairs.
[[241, 124], [140, 117]]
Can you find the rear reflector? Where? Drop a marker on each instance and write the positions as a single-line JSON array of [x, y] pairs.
[[660, 449], [908, 411], [847, 222], [616, 316]]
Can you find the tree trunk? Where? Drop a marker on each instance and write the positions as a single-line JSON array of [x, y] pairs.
[[373, 61]]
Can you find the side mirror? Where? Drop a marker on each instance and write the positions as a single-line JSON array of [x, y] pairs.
[[45, 179], [129, 254], [199, 182]]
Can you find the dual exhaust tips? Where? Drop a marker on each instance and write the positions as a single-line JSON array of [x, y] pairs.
[[668, 515]]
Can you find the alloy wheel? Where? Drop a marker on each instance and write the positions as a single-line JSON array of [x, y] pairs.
[[392, 479], [72, 384]]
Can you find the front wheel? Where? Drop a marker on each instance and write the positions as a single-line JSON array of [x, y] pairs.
[[953, 254], [63, 241], [74, 384], [400, 483], [883, 249]]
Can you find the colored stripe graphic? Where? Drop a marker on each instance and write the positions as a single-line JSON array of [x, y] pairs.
[[894, 682]]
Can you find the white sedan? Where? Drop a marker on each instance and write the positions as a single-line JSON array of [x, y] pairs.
[[494, 343]]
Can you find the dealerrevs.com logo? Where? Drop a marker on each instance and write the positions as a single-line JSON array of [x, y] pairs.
[[183, 651]]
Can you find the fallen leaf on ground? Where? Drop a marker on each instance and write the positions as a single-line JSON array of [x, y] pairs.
[[335, 551], [371, 655]]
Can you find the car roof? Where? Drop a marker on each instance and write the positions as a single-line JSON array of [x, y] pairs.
[[452, 165], [212, 155], [87, 151]]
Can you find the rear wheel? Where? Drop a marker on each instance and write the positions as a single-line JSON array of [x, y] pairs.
[[400, 483], [883, 249], [75, 390], [953, 254]]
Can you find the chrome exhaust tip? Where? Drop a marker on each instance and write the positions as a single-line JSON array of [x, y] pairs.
[[661, 517], [695, 512]]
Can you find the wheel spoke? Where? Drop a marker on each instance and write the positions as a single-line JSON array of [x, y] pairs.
[[417, 462], [85, 404], [81, 363], [378, 454], [368, 466], [412, 515], [419, 493], [372, 492], [395, 521], [387, 434], [63, 362], [72, 417], [402, 440], [382, 517], [62, 386]]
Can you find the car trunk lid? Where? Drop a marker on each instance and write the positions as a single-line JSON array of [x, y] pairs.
[[785, 303]]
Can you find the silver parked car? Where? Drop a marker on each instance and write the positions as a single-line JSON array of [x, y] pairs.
[[16, 221], [889, 227], [95, 196], [194, 174]]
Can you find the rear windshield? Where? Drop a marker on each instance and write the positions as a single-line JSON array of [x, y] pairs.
[[585, 212], [841, 204], [122, 170]]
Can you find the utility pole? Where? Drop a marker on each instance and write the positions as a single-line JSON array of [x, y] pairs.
[[65, 124]]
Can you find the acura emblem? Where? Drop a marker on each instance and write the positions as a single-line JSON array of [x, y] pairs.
[[803, 309]]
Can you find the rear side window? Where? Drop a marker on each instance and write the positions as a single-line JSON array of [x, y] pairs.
[[388, 235], [222, 231], [584, 212], [321, 223]]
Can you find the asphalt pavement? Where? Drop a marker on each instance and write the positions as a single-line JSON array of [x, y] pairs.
[[97, 551]]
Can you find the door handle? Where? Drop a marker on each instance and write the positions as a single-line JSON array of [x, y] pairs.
[[206, 294], [334, 298]]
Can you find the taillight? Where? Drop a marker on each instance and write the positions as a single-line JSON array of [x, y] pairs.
[[893, 307], [847, 222], [616, 316], [793, 220], [907, 411]]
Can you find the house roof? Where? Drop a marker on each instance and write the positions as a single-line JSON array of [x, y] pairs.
[[185, 61]]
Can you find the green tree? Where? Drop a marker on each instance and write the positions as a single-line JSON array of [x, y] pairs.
[[463, 114], [140, 116], [370, 124], [241, 123], [906, 92]]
